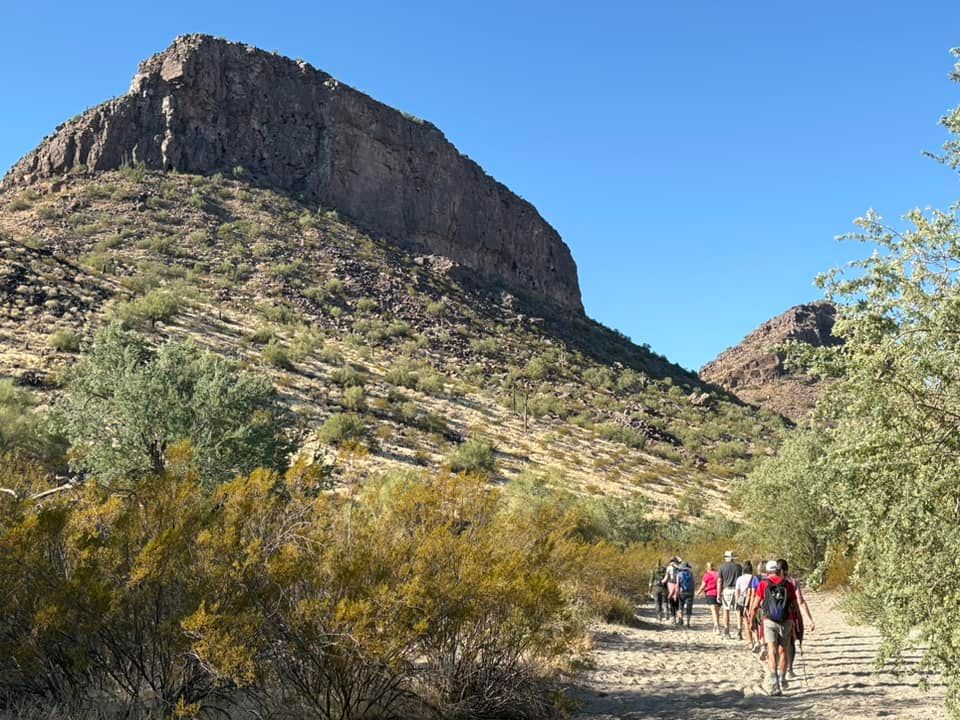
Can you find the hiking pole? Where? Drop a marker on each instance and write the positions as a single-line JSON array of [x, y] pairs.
[[803, 666]]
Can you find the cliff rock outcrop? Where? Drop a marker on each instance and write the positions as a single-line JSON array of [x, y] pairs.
[[206, 105], [754, 370]]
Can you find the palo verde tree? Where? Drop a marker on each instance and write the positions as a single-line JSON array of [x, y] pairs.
[[882, 458], [127, 403]]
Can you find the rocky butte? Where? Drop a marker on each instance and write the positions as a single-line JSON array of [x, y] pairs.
[[206, 105], [754, 370]]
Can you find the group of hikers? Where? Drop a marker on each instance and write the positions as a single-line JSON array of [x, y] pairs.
[[768, 606]]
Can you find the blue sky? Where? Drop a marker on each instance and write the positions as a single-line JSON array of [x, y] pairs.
[[699, 158]]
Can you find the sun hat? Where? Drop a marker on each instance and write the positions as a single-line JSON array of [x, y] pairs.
[[729, 555], [772, 566]]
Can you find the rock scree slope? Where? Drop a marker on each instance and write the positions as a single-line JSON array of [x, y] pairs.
[[206, 105], [754, 370]]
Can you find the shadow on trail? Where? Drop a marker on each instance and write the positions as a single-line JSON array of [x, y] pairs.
[[696, 703]]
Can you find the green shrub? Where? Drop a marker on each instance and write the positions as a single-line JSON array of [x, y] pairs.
[[156, 306], [23, 432], [347, 376], [64, 340], [485, 346], [366, 305], [126, 404], [628, 436], [615, 609], [692, 502], [198, 238], [475, 455], [354, 399], [134, 173], [430, 382], [101, 262], [341, 429], [262, 335], [275, 355]]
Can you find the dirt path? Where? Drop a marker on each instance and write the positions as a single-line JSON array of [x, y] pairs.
[[657, 671]]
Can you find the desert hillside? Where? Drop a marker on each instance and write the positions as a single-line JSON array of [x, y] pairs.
[[412, 345]]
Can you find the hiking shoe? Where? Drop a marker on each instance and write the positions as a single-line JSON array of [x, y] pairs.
[[763, 653], [791, 675], [775, 687]]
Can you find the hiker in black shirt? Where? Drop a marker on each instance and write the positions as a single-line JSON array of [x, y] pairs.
[[727, 590]]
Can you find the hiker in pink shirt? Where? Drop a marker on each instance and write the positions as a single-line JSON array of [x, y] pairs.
[[708, 588]]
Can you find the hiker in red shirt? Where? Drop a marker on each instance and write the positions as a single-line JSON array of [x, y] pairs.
[[798, 625], [776, 598], [709, 588]]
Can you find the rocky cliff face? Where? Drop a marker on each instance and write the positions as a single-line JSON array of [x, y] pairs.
[[754, 370], [206, 105]]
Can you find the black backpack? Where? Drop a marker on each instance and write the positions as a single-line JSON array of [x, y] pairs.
[[776, 601]]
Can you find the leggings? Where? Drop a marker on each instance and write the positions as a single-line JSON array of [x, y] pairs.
[[662, 601]]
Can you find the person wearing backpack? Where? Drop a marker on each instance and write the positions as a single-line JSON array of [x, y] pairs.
[[658, 590], [685, 593], [776, 598], [799, 628]]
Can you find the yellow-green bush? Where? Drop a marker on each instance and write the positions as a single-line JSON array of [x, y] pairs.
[[271, 591]]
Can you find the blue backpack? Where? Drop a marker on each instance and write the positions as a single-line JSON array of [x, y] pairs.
[[776, 602], [685, 580]]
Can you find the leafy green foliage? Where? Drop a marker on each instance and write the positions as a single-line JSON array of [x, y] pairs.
[[275, 355], [64, 340], [23, 431], [877, 474], [474, 455], [341, 429], [127, 404], [147, 310]]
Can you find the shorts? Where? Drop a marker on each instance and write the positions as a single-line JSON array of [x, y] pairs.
[[780, 634], [729, 598], [712, 600]]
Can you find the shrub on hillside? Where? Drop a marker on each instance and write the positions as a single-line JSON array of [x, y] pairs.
[[156, 306], [127, 403], [64, 340], [341, 429], [275, 355], [475, 455], [24, 434]]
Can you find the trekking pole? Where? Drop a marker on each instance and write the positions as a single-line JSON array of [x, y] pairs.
[[803, 666]]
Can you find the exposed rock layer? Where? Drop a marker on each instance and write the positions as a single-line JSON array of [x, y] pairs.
[[206, 105], [754, 370]]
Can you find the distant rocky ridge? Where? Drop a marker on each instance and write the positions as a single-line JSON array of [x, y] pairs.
[[206, 105], [754, 370]]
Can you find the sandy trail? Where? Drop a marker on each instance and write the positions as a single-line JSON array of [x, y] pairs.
[[657, 671]]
